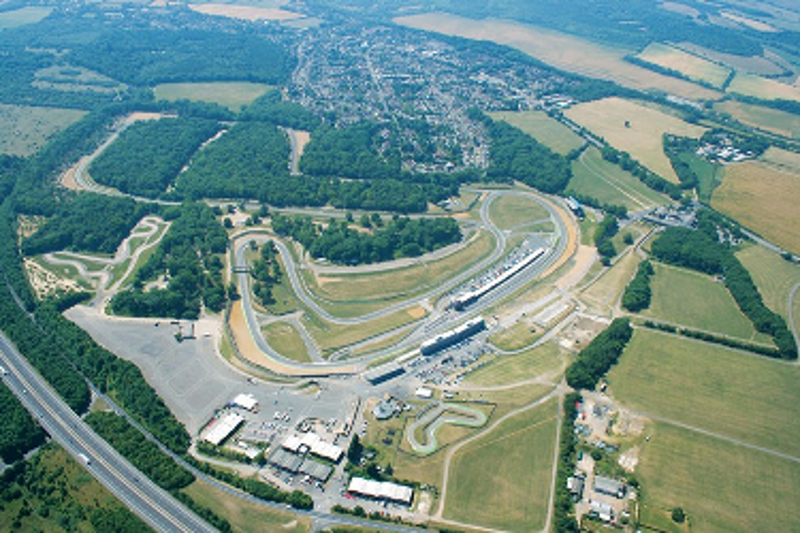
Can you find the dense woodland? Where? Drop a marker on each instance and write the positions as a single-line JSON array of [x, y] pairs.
[[70, 227], [148, 155], [351, 152], [339, 243], [603, 234], [600, 355], [266, 273], [18, 431], [188, 256], [515, 155], [273, 109], [701, 250]]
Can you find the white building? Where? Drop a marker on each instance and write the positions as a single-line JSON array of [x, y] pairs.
[[382, 490], [245, 401], [223, 428]]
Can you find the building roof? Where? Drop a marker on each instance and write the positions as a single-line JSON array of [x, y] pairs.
[[223, 428], [245, 401], [575, 485], [383, 410], [384, 373], [313, 444], [381, 489], [608, 485], [424, 392], [316, 470], [285, 460]]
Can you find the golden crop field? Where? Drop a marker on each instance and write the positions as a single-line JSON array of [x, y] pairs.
[[760, 87], [561, 50], [687, 64], [754, 64], [764, 118], [643, 139], [250, 13], [783, 159], [544, 129], [764, 199]]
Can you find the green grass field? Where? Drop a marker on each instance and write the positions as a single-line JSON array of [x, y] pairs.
[[593, 176], [23, 16], [26, 129], [764, 88], [502, 479], [548, 131], [773, 275], [722, 487], [285, 339], [510, 211], [517, 336], [331, 337], [773, 120], [603, 294], [693, 299], [709, 174], [745, 397], [244, 514], [382, 287], [231, 94], [545, 360], [687, 64]]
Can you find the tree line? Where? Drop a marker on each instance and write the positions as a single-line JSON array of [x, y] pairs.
[[637, 294], [600, 355], [701, 250], [654, 181], [266, 273], [341, 244], [603, 234]]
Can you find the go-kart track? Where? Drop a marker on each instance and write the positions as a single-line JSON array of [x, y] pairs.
[[455, 301]]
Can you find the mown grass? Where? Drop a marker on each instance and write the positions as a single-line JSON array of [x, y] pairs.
[[605, 292], [546, 130], [764, 88], [510, 211], [596, 177], [545, 360], [286, 340], [741, 396], [693, 299], [721, 486], [502, 479]]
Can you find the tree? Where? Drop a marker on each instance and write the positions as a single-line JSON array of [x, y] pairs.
[[678, 515]]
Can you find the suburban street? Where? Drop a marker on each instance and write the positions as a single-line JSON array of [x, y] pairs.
[[151, 503]]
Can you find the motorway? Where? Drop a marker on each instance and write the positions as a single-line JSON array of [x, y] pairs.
[[150, 502]]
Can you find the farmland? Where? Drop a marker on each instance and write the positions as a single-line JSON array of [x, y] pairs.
[[561, 50], [544, 129], [231, 94], [767, 119], [773, 275], [502, 479], [763, 199], [687, 64], [244, 12], [710, 307], [26, 129], [593, 176], [711, 387], [642, 138], [721, 486], [764, 88]]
